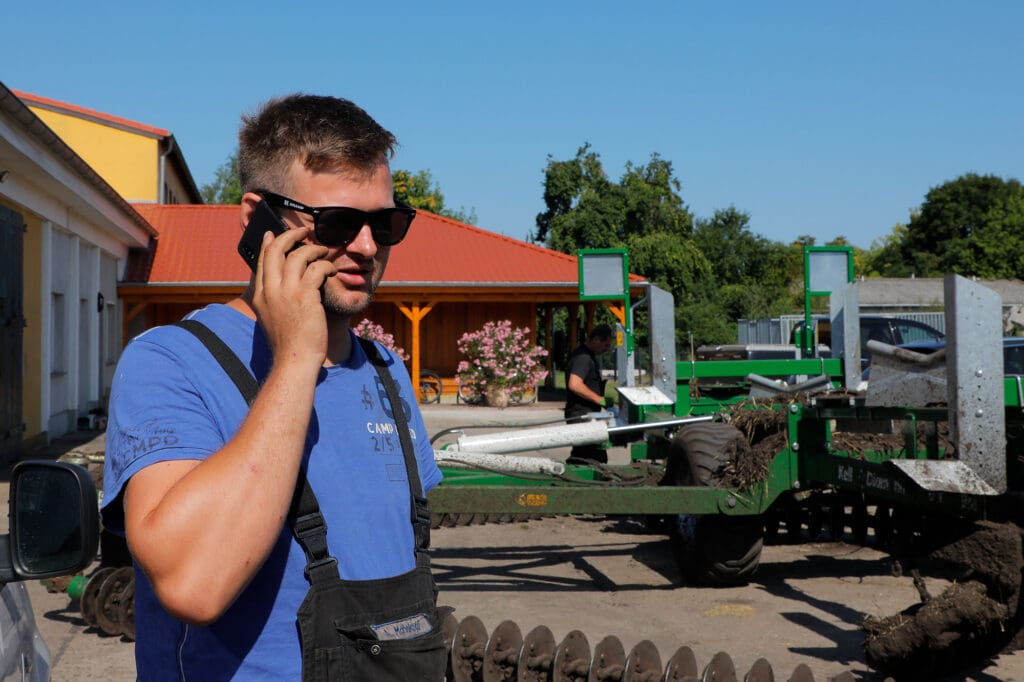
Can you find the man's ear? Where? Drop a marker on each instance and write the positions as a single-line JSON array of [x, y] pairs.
[[248, 205]]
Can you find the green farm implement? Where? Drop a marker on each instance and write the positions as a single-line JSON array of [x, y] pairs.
[[924, 460]]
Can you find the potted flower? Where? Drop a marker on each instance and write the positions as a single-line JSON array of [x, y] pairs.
[[500, 361]]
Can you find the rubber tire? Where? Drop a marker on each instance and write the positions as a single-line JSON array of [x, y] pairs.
[[466, 394], [713, 549], [431, 387]]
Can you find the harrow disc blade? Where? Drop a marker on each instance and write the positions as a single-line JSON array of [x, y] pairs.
[[609, 661], [643, 663], [502, 652], [468, 650], [108, 600], [761, 671], [126, 610], [448, 628], [537, 655], [682, 667], [837, 521], [802, 673], [90, 594], [572, 658], [859, 522], [720, 669]]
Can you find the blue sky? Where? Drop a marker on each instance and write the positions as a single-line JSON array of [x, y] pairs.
[[817, 118]]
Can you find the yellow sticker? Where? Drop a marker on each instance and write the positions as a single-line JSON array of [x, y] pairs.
[[532, 500]]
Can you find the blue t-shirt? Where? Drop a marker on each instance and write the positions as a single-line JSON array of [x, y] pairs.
[[171, 401]]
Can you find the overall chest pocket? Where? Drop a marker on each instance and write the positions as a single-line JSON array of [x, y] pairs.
[[369, 660]]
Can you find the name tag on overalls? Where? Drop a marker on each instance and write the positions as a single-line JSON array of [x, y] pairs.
[[405, 628]]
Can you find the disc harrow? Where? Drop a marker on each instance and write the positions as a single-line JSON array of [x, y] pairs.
[[459, 519], [507, 656], [830, 517], [107, 602]]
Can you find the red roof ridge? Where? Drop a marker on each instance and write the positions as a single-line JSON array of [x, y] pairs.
[[74, 108], [496, 235]]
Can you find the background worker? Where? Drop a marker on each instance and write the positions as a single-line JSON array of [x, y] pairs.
[[585, 388]]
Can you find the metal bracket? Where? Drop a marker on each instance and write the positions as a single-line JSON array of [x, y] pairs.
[[763, 387]]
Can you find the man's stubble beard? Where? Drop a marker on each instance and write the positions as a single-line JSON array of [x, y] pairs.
[[336, 306]]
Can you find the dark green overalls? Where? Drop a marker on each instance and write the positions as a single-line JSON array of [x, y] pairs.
[[357, 630]]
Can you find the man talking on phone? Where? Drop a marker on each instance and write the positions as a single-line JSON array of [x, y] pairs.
[[268, 468]]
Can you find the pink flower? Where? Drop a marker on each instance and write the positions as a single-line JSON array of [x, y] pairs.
[[500, 355]]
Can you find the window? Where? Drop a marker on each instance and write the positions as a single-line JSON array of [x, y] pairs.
[[111, 341], [58, 335], [911, 332], [1013, 357]]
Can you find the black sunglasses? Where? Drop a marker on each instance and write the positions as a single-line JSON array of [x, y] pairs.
[[339, 225]]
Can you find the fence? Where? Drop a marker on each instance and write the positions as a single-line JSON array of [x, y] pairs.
[[780, 329]]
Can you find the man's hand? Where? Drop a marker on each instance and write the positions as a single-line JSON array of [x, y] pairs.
[[287, 299]]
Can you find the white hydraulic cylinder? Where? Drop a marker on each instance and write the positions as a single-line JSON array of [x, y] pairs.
[[505, 463], [584, 433]]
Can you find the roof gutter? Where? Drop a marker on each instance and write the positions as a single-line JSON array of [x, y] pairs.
[[10, 104], [161, 184]]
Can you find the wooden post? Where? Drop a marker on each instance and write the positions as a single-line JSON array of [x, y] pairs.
[[415, 312]]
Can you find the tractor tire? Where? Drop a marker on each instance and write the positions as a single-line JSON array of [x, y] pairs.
[[712, 549]]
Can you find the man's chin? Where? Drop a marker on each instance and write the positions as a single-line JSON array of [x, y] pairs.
[[347, 305]]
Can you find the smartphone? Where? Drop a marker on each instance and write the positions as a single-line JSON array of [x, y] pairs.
[[263, 220]]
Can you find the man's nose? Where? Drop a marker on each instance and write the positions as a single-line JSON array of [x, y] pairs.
[[364, 242]]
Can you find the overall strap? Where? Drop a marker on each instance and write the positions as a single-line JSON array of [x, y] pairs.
[[229, 362], [418, 503], [304, 517]]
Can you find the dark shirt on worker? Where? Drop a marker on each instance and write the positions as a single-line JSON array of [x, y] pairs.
[[583, 363]]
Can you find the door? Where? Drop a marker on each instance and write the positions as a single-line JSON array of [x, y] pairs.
[[12, 323]]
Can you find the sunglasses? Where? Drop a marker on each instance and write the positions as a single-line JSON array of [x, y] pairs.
[[339, 225]]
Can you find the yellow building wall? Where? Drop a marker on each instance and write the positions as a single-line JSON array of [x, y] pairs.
[[128, 161], [32, 339]]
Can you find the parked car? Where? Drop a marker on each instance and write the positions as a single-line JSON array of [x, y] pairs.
[[54, 531], [1013, 354], [895, 331]]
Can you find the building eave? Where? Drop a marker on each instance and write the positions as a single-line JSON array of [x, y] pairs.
[[13, 106]]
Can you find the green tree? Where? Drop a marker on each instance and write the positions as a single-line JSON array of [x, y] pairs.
[[673, 264], [585, 209], [751, 276], [885, 257], [738, 255], [421, 192], [973, 225], [225, 188]]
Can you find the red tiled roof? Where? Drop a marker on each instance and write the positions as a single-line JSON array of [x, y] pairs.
[[197, 244], [47, 103]]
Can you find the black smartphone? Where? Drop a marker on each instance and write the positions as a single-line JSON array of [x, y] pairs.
[[263, 220]]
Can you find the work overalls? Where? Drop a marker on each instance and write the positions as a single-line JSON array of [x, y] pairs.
[[358, 630]]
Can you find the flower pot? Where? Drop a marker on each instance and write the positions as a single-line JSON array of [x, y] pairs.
[[496, 396]]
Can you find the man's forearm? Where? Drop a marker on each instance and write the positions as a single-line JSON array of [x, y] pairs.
[[577, 386], [201, 530]]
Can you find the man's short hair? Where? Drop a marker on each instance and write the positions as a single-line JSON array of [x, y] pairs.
[[601, 331], [322, 133]]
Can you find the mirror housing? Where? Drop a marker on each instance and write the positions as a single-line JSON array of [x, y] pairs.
[[54, 521]]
